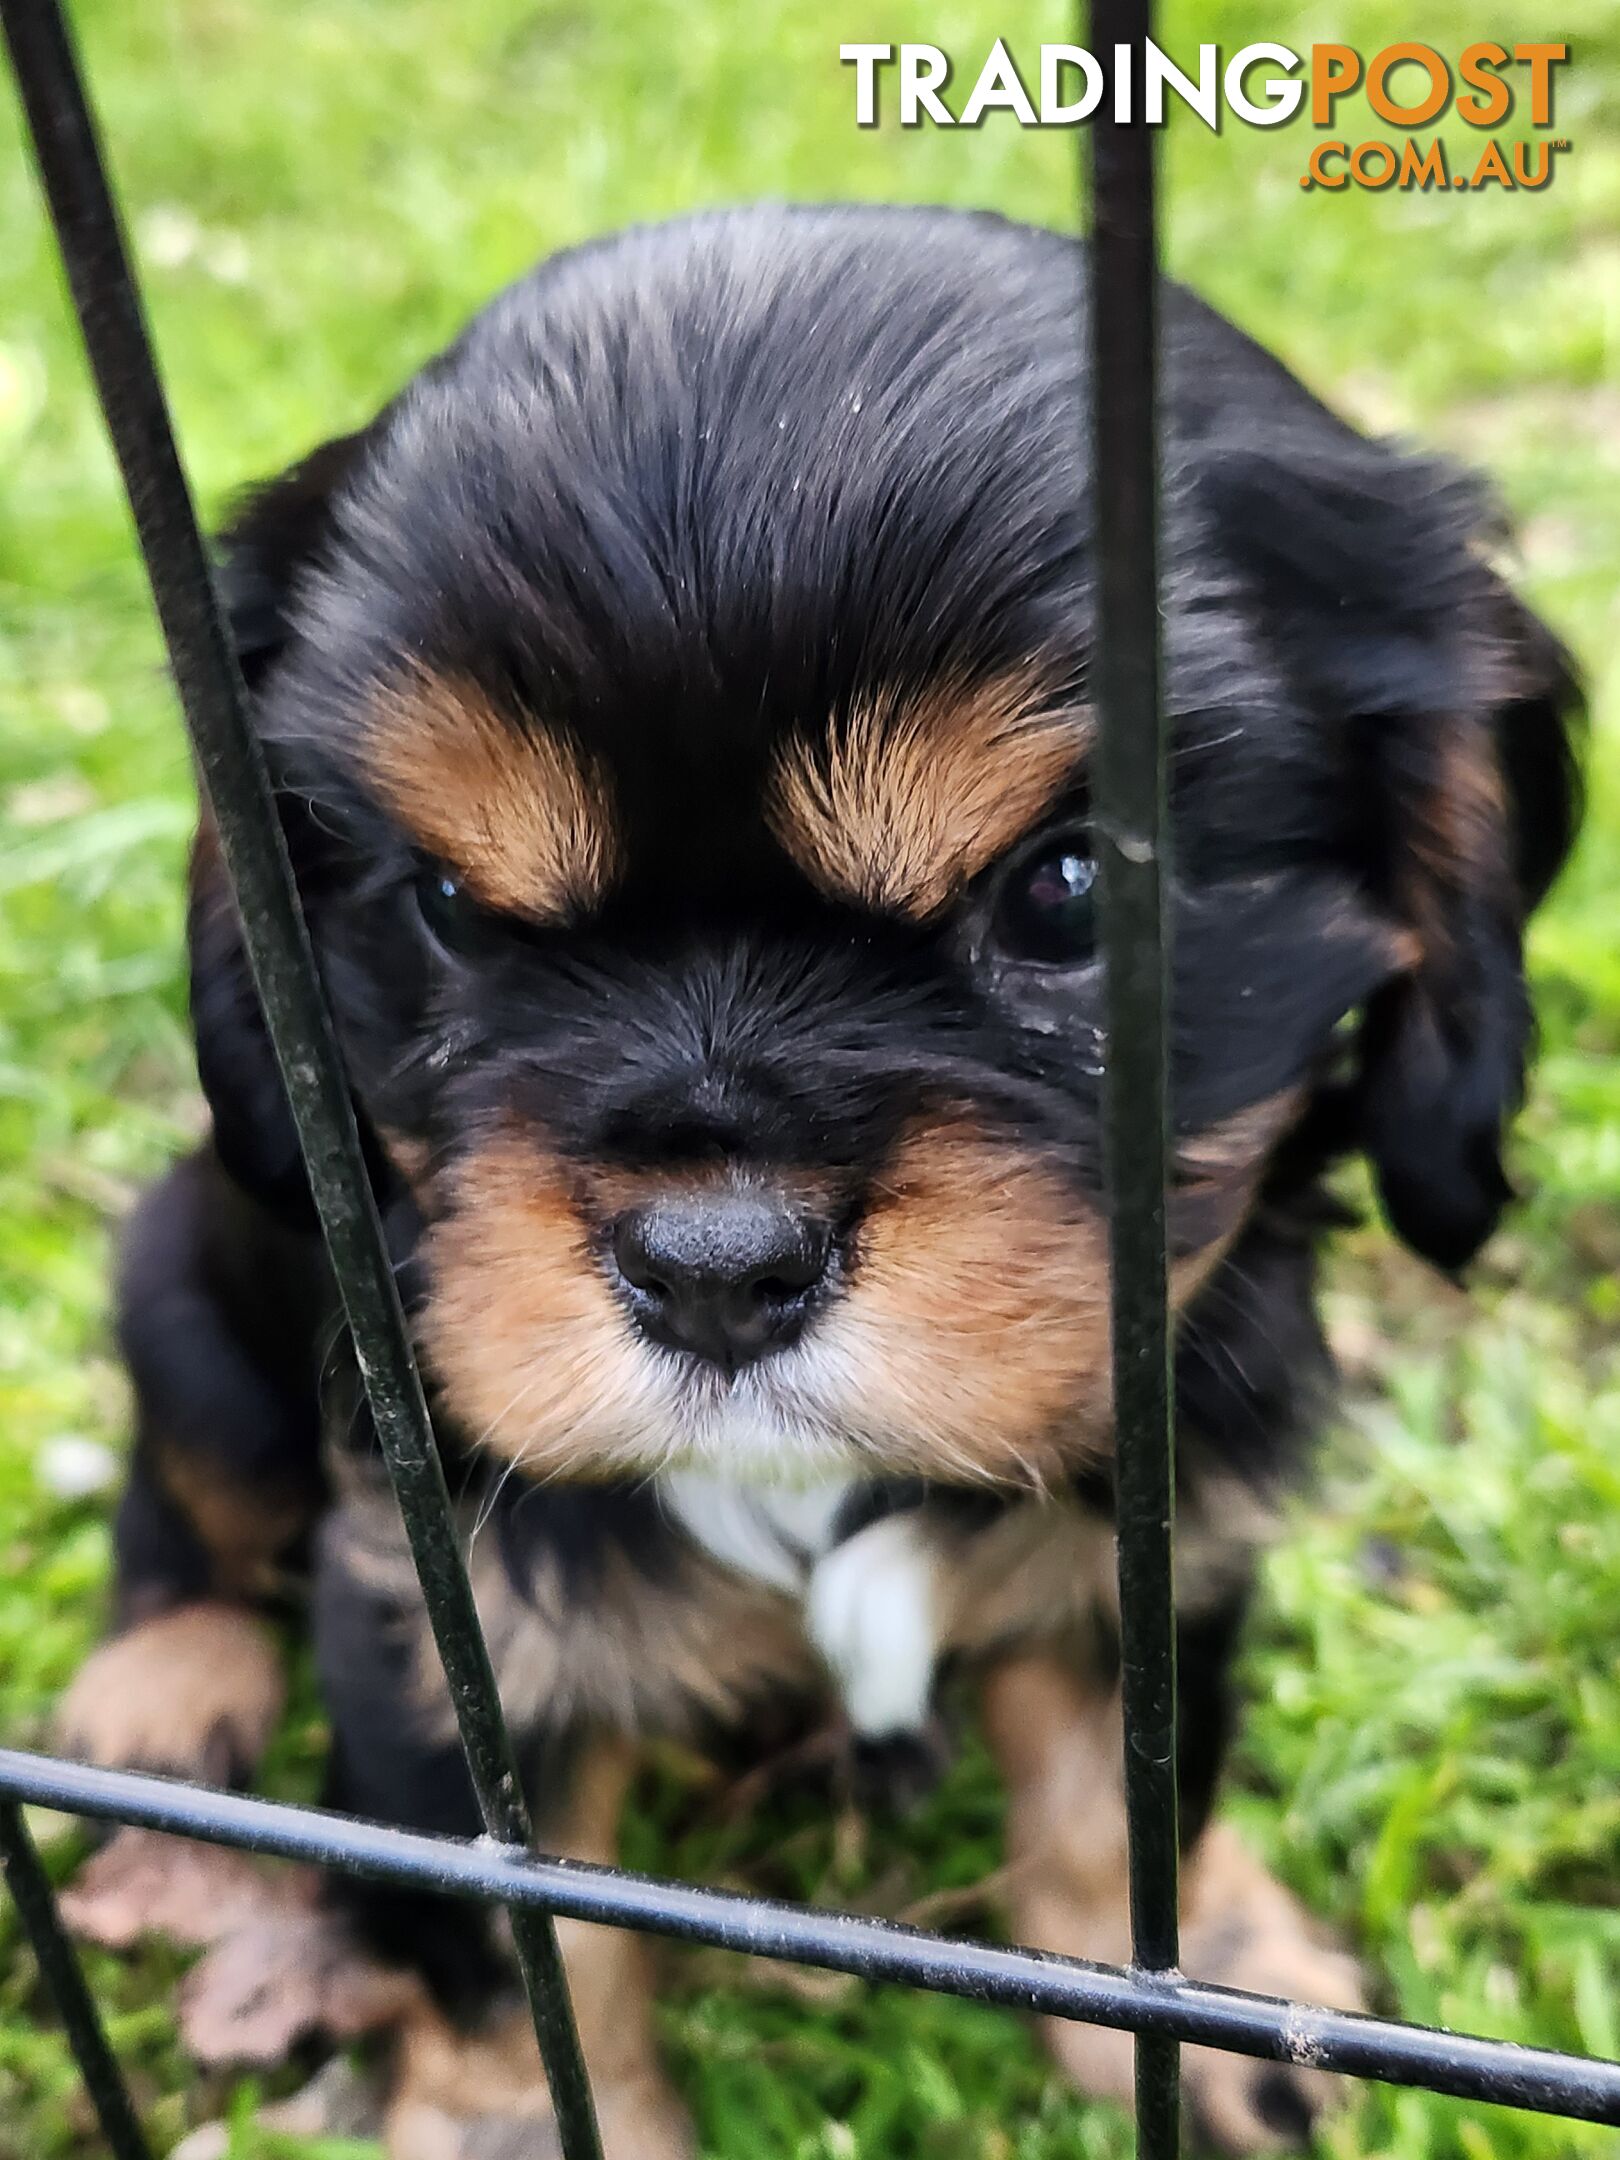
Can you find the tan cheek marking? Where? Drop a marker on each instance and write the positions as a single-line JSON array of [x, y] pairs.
[[910, 798], [522, 1330], [513, 809], [975, 1330]]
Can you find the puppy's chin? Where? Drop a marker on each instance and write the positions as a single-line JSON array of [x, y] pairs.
[[770, 1424]]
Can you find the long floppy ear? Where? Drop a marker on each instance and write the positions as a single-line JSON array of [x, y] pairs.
[[1454, 702], [1478, 836], [277, 536]]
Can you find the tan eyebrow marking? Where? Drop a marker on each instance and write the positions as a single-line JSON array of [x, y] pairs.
[[911, 797], [515, 810]]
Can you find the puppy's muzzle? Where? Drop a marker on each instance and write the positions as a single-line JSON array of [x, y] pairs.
[[728, 1277]]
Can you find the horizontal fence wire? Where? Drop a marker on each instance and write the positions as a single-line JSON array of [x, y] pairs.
[[1170, 2007], [1129, 836], [78, 191], [1150, 1999]]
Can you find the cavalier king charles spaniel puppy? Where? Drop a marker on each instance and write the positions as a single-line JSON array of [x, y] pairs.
[[678, 701]]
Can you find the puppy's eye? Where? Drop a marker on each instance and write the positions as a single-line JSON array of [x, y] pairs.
[[453, 917], [1046, 909]]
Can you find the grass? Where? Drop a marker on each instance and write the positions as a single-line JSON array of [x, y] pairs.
[[319, 196]]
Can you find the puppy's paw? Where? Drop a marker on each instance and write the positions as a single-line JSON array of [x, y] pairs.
[[142, 1883], [286, 1976], [1244, 1930], [195, 1692]]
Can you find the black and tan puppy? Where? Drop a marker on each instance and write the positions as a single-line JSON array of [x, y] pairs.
[[679, 702]]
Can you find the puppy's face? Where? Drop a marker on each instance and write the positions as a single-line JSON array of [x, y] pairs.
[[681, 699]]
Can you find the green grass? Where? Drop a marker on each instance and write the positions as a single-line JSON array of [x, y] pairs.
[[320, 195]]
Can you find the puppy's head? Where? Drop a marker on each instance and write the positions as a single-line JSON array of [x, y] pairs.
[[680, 703]]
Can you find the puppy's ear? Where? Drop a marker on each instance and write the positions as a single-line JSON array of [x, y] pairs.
[[1451, 703], [1481, 812], [276, 537]]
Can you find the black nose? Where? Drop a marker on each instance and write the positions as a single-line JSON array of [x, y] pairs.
[[726, 1276]]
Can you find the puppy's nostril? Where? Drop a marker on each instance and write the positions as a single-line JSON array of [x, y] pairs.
[[775, 1289], [728, 1276]]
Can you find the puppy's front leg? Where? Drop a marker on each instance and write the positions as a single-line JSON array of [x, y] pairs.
[[1055, 1729], [218, 1321], [468, 2082], [481, 2094]]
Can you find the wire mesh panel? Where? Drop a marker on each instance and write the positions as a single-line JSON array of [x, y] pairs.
[[1150, 1998]]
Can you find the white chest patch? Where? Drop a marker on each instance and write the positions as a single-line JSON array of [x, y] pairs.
[[869, 1601]]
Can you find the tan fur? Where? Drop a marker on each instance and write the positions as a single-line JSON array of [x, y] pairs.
[[1046, 1571], [973, 1340], [461, 2097], [1237, 1147], [914, 795], [1056, 1733], [511, 808], [1457, 835], [1214, 1178], [196, 1691], [411, 1157], [1456, 843], [1036, 1572], [246, 1529], [522, 1329], [611, 1189]]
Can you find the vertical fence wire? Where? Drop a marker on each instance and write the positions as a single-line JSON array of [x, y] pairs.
[[1131, 833], [61, 1970], [77, 189]]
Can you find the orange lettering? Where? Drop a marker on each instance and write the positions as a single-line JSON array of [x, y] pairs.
[[1478, 66], [1491, 167], [1367, 173], [1542, 60], [1384, 65], [1425, 170], [1335, 70]]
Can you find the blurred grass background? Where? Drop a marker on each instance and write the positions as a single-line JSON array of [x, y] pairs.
[[319, 196]]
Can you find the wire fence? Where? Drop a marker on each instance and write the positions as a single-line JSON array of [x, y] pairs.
[[1149, 1998]]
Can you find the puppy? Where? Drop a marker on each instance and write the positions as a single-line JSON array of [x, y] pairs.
[[678, 702]]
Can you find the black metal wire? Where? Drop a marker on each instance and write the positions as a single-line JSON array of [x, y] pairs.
[[79, 193], [1169, 2007], [1129, 794], [63, 1974]]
